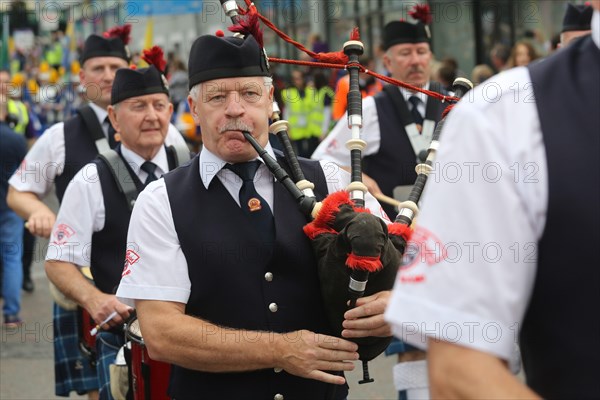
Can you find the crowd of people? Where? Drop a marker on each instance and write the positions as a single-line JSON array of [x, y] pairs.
[[137, 139]]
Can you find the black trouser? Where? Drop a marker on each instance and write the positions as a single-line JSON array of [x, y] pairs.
[[28, 245]]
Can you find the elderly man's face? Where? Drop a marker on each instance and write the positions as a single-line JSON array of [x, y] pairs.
[[225, 107], [409, 62], [142, 122]]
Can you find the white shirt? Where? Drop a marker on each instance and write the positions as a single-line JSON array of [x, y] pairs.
[[157, 270], [82, 212], [46, 158], [333, 147], [471, 263]]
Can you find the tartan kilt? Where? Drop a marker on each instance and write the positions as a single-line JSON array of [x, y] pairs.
[[72, 370]]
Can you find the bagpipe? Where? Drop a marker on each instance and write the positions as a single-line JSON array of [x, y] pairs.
[[358, 254]]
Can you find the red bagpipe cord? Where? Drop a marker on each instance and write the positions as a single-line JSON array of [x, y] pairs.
[[334, 60]]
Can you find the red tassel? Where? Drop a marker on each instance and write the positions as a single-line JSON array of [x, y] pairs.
[[337, 57], [312, 231], [330, 208], [249, 25], [154, 56], [365, 263], [121, 32], [355, 35], [219, 33], [398, 229], [421, 13]]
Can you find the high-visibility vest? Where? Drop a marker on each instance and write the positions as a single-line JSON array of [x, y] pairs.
[[298, 111], [317, 115], [54, 54], [19, 113]]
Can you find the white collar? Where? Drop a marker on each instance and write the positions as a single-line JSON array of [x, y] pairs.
[[211, 164], [407, 93], [135, 161]]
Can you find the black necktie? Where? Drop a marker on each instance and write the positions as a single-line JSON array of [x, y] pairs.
[[149, 168], [253, 205], [111, 134], [415, 101]]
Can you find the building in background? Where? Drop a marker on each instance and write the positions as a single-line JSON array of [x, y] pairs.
[[464, 29]]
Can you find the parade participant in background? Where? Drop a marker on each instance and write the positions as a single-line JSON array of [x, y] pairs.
[[12, 150], [18, 118], [248, 317], [397, 124], [525, 277], [140, 113], [55, 158], [576, 22]]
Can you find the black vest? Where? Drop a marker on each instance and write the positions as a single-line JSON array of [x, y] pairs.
[[80, 149], [110, 244], [394, 164], [560, 337], [227, 267]]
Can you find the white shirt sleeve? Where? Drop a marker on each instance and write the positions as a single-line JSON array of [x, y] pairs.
[[469, 269], [174, 137], [333, 147], [42, 164], [155, 266], [81, 214]]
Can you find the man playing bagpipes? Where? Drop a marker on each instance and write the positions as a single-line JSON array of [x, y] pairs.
[[225, 282], [91, 226]]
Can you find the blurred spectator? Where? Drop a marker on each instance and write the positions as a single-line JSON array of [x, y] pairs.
[[499, 56], [54, 53], [178, 82], [12, 152], [554, 42], [369, 86], [446, 73], [299, 100], [73, 96], [481, 73], [317, 44], [324, 98], [522, 54]]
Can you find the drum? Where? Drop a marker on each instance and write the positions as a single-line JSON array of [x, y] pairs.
[[87, 342], [149, 377]]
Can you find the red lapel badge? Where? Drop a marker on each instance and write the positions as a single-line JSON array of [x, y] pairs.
[[254, 204]]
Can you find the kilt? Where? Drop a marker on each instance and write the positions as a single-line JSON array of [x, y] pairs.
[[72, 370]]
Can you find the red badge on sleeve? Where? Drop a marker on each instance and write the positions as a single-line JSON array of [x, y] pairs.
[[131, 257], [423, 251], [62, 233]]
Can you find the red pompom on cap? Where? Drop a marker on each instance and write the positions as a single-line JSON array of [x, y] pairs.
[[421, 13], [154, 56], [219, 33], [121, 32]]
